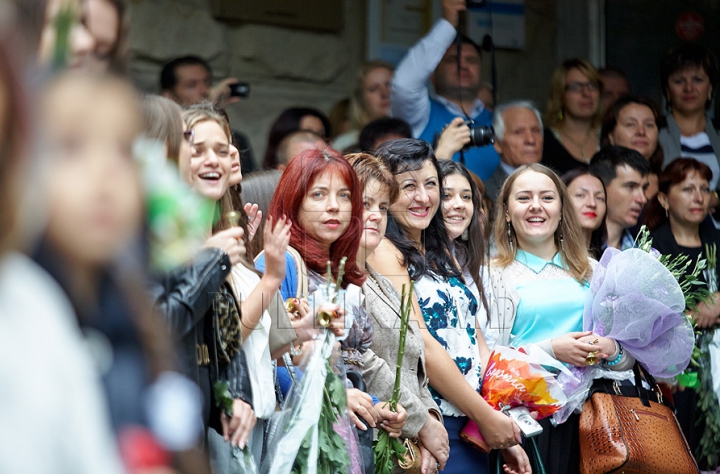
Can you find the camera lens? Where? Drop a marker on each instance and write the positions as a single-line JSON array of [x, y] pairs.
[[481, 136]]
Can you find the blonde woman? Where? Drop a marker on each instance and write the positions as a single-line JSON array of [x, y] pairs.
[[573, 116], [540, 279]]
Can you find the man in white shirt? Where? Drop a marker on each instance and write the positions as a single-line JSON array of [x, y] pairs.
[[435, 57]]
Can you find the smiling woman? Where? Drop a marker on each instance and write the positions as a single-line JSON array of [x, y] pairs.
[[540, 279], [418, 248]]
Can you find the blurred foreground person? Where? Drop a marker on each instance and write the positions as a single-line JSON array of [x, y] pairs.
[[53, 417], [90, 247]]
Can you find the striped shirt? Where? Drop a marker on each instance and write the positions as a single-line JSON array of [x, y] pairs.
[[698, 146]]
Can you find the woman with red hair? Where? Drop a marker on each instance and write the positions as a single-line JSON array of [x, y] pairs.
[[322, 196]]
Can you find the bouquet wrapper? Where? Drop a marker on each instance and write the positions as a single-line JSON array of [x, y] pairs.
[[516, 377], [636, 301], [305, 405]]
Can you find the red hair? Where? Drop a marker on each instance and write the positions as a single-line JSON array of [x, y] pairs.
[[296, 180]]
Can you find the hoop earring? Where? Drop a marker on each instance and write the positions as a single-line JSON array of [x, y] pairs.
[[562, 242], [510, 240]]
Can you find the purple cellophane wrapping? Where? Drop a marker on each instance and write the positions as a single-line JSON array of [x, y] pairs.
[[636, 301]]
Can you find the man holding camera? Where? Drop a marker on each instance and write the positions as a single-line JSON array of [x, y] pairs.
[[187, 80], [457, 82]]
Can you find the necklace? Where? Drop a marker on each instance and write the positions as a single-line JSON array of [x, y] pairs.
[[580, 146]]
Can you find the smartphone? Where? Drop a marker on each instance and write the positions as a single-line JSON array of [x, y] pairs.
[[240, 89], [525, 422]]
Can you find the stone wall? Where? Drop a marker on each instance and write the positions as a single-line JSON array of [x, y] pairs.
[[285, 67], [289, 67]]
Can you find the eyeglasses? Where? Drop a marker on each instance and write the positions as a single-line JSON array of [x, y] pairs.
[[580, 86], [189, 136]]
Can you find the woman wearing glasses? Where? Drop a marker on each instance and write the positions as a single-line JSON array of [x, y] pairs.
[[572, 117]]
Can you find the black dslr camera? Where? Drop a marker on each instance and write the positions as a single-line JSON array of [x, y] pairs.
[[480, 135]]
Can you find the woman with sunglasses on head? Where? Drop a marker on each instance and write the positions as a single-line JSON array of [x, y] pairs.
[[572, 117], [417, 247]]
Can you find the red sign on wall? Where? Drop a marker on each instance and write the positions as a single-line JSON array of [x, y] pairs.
[[689, 26]]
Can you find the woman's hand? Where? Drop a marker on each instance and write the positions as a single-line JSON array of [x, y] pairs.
[[277, 238], [499, 430], [571, 348], [430, 464], [434, 439], [254, 219], [516, 460], [452, 139], [229, 241], [391, 421], [237, 429], [604, 345], [360, 404], [706, 315], [303, 321]]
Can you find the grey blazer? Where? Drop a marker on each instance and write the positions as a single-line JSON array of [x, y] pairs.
[[669, 138], [382, 302]]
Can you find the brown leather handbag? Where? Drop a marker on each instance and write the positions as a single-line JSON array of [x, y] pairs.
[[631, 430]]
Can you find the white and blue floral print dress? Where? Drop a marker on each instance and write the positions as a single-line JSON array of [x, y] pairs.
[[450, 310]]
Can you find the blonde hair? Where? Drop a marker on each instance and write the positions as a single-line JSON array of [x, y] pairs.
[[358, 115], [557, 91], [208, 112], [573, 250]]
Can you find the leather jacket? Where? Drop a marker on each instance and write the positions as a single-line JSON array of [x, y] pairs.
[[186, 296]]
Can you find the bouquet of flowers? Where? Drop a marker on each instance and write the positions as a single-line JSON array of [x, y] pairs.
[[519, 377], [311, 442], [638, 298]]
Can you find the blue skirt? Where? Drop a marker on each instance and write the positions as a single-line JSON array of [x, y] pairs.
[[464, 458]]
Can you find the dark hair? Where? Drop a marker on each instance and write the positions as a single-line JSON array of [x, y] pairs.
[[675, 173], [285, 124], [471, 252], [610, 122], [599, 235], [380, 128], [258, 188], [605, 162], [401, 156], [467, 40], [689, 54], [368, 168], [301, 136], [168, 76], [612, 72]]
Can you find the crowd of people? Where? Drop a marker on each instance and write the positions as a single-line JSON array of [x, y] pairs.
[[111, 363]]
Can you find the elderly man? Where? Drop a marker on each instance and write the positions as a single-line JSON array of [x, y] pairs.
[[518, 141], [457, 81]]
